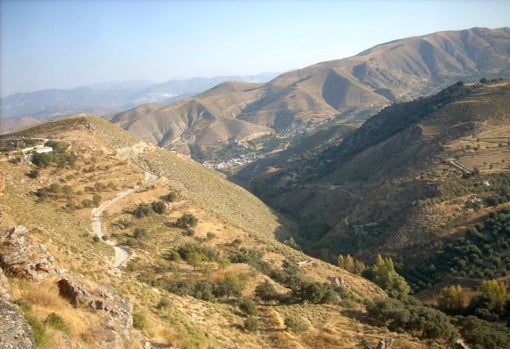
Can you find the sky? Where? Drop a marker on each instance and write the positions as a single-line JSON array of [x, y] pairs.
[[70, 43]]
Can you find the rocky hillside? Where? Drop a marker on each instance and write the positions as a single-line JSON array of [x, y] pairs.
[[341, 91], [203, 267]]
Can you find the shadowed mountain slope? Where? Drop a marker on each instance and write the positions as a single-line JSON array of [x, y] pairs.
[[400, 182]]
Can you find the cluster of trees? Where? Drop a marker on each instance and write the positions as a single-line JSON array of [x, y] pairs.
[[350, 264], [230, 286], [410, 316], [491, 303], [382, 273], [301, 289], [144, 209], [58, 155], [482, 252]]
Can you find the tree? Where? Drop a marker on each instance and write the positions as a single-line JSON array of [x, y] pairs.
[[195, 259], [350, 264], [187, 220], [229, 286], [158, 206], [142, 210], [490, 303], [96, 199], [266, 292], [451, 299], [248, 307], [496, 292], [387, 278]]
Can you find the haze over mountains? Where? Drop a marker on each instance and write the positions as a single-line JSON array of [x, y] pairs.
[[341, 91], [105, 98]]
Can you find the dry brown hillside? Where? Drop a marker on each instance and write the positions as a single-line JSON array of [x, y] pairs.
[[198, 248], [341, 91]]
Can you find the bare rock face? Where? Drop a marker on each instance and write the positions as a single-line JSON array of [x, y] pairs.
[[22, 256], [15, 332], [104, 299]]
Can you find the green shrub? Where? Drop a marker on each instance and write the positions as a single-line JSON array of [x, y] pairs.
[[55, 321], [139, 233], [251, 324], [158, 207], [295, 324], [187, 220], [248, 306], [139, 321]]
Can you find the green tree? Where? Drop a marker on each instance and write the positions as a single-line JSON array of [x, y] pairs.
[[387, 278], [187, 220], [266, 292], [228, 287], [350, 264], [196, 259], [451, 299], [158, 207], [142, 210], [248, 306]]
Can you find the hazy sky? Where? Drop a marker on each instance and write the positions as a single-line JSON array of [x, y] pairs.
[[63, 44]]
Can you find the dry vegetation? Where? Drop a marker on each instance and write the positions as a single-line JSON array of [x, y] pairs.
[[228, 221]]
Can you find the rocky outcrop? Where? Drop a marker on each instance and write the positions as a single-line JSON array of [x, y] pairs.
[[104, 299], [24, 257], [74, 291], [15, 332]]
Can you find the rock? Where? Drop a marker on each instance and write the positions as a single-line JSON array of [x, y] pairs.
[[337, 282], [106, 300], [5, 288], [15, 332], [23, 257], [73, 291]]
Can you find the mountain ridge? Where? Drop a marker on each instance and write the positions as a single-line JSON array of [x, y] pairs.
[[105, 98], [345, 91]]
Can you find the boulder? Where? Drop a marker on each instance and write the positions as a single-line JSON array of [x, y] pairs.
[[23, 257], [74, 291], [104, 299], [15, 332]]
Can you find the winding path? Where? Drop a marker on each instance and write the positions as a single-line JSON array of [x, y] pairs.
[[121, 255]]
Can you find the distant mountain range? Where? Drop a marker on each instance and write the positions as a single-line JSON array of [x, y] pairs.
[[105, 98], [345, 91]]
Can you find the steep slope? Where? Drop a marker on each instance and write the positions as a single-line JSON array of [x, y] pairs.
[[341, 91], [199, 247], [408, 177]]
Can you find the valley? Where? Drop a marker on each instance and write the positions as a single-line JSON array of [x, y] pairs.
[[346, 204]]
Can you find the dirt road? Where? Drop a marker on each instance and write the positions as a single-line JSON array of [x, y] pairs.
[[121, 255]]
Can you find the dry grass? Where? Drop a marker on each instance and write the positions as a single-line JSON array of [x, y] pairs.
[[222, 209]]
